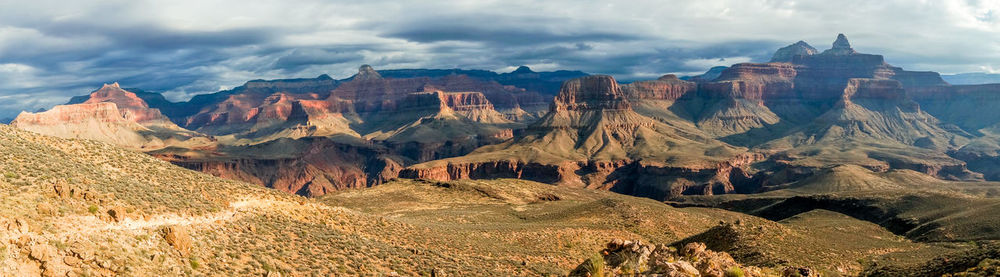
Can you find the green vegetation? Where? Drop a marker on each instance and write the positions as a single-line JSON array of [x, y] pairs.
[[734, 272], [595, 265], [193, 262]]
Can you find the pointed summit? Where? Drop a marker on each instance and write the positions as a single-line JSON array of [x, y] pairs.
[[787, 53], [840, 47], [522, 70], [115, 94], [366, 72]]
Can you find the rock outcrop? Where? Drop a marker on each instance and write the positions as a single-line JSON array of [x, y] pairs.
[[631, 258], [789, 53]]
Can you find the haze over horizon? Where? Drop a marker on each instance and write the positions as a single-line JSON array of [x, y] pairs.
[[50, 51]]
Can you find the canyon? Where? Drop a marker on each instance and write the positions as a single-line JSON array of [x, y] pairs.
[[746, 128]]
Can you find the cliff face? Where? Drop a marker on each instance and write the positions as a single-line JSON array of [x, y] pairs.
[[374, 94], [969, 108], [313, 168], [257, 105], [474, 106], [742, 98], [962, 105], [748, 99], [591, 137], [217, 104], [591, 93], [667, 87]]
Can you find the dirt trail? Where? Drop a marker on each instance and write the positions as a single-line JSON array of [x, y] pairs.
[[80, 224]]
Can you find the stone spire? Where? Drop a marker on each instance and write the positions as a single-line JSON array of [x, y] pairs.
[[840, 47], [841, 42]]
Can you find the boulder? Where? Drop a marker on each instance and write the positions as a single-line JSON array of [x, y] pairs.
[[118, 214], [178, 238]]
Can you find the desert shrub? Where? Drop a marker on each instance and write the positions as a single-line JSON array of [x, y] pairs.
[[194, 263], [594, 266], [734, 272]]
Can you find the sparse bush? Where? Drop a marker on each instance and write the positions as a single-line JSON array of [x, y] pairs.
[[92, 209], [593, 266], [734, 272], [194, 263]]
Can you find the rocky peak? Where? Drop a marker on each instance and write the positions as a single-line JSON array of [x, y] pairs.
[[115, 94], [787, 53], [840, 47], [522, 70], [841, 42], [366, 72], [591, 93]]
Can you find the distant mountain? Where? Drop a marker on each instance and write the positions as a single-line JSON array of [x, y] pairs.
[[816, 110], [744, 128], [708, 76], [789, 53], [383, 121], [977, 78], [546, 83], [111, 114]]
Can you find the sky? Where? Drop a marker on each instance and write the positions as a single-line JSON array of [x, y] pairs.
[[52, 50]]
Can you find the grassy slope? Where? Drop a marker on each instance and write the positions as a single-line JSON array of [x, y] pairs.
[[514, 221], [511, 229]]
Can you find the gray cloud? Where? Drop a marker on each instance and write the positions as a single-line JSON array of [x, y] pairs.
[[51, 50], [299, 58], [499, 29]]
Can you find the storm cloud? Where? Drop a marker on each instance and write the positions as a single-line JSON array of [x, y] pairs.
[[51, 50]]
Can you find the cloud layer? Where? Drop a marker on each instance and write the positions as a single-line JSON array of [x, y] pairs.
[[50, 50]]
